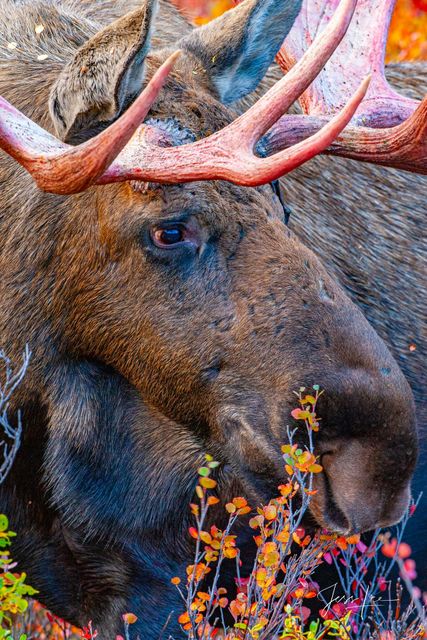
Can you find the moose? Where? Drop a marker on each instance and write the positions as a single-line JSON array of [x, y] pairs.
[[170, 310]]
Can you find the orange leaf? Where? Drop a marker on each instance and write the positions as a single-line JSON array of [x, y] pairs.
[[404, 550], [256, 522], [184, 618], [270, 512], [308, 400], [207, 483], [354, 539], [240, 502], [129, 618], [205, 537], [282, 536]]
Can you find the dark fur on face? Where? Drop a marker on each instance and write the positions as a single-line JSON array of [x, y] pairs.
[[144, 358]]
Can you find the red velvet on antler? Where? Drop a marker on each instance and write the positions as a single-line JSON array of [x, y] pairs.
[[387, 128], [228, 154]]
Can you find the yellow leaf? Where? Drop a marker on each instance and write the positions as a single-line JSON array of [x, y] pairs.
[[207, 483]]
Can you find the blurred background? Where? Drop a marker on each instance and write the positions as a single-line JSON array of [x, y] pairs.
[[408, 32]]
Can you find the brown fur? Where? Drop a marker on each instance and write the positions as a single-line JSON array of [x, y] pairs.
[[142, 361]]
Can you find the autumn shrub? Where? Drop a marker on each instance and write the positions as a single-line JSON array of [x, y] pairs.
[[274, 600], [13, 589], [280, 597]]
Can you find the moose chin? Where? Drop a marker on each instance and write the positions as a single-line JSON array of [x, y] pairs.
[[169, 309]]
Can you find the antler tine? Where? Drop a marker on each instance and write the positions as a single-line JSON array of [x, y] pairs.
[[63, 169], [214, 158], [401, 147], [361, 52], [398, 137]]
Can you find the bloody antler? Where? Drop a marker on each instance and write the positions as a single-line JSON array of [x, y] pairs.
[[388, 128], [228, 154]]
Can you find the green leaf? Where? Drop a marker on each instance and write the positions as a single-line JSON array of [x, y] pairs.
[[22, 606], [203, 471], [4, 522], [11, 577]]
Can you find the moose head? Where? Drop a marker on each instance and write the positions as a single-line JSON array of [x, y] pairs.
[[187, 283]]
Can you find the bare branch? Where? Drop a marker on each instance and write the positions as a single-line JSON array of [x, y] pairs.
[[11, 437]]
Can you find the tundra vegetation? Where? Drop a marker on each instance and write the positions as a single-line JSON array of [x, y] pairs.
[[273, 601], [171, 311]]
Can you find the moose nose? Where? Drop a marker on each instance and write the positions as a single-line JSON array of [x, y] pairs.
[[356, 498]]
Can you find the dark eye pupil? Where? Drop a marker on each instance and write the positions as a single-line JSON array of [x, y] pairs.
[[171, 236]]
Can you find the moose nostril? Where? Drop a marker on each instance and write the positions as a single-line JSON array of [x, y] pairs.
[[325, 458]]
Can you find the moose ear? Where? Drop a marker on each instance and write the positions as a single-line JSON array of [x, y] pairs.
[[237, 48], [104, 76]]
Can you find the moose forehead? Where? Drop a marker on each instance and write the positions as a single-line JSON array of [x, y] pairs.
[[223, 209], [178, 122], [174, 133]]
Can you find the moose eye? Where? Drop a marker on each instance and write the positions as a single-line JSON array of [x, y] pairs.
[[187, 236], [165, 237]]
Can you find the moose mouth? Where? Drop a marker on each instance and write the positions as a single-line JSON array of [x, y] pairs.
[[355, 512], [363, 513], [253, 464], [329, 515]]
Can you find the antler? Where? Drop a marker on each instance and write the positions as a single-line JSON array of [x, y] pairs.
[[60, 168], [388, 128], [228, 154]]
